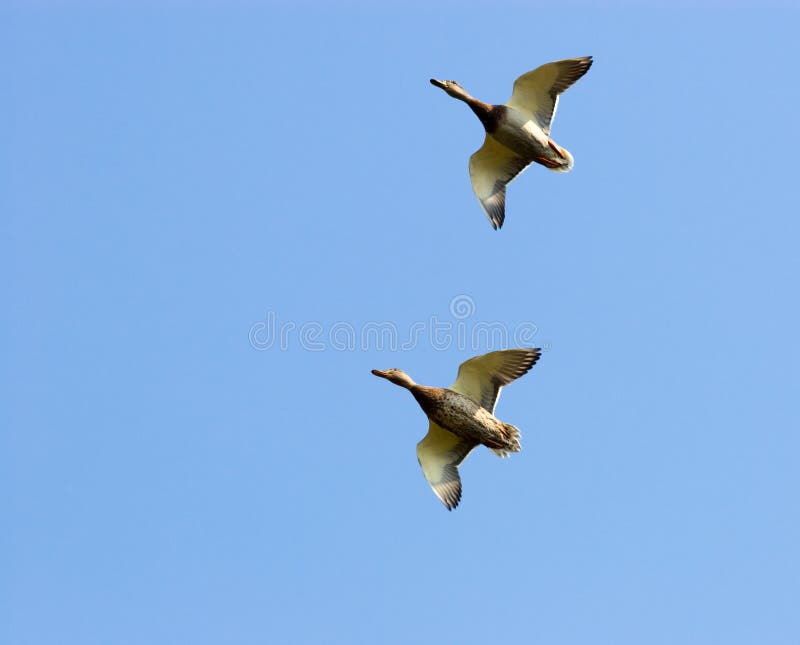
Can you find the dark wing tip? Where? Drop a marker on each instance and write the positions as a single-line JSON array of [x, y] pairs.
[[495, 208], [451, 499], [449, 491], [528, 359], [454, 497], [532, 357], [573, 70], [584, 64]]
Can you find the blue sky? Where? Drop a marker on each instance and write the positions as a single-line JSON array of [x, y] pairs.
[[172, 179]]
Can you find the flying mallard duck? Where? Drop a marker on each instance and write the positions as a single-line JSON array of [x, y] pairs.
[[462, 416], [518, 133]]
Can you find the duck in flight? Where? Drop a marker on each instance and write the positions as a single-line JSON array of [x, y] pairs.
[[462, 416], [518, 133]]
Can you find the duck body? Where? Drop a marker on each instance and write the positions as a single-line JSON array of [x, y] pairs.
[[463, 417], [518, 132]]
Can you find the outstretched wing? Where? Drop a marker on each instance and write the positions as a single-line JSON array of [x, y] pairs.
[[439, 454], [537, 92], [490, 169], [481, 378]]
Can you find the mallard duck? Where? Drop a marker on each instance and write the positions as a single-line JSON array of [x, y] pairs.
[[462, 416], [518, 133]]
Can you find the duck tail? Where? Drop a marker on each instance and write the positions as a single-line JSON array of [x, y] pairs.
[[512, 435], [564, 160], [568, 162]]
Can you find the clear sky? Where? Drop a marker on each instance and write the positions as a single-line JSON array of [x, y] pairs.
[[181, 186]]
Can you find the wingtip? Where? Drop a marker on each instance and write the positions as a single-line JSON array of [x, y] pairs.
[[532, 356], [451, 500]]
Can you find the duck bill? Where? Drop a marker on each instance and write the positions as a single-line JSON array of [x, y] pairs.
[[439, 84], [379, 373]]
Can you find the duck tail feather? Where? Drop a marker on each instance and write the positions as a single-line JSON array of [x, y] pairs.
[[512, 436]]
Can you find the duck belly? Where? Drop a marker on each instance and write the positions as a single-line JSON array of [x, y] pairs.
[[463, 417], [518, 132]]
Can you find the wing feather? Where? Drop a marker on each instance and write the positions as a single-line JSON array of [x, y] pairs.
[[439, 454], [537, 92], [491, 168], [480, 378]]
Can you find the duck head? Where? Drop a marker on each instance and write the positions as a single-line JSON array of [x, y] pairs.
[[396, 376], [452, 88]]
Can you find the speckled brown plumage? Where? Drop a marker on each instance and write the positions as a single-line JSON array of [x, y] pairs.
[[465, 418]]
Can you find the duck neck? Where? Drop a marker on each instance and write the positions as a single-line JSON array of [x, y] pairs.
[[483, 111], [429, 398]]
